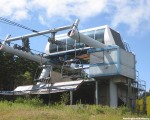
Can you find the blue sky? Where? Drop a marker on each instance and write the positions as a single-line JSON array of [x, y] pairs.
[[130, 17]]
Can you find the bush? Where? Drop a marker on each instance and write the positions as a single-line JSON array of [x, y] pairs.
[[64, 98], [124, 110], [35, 101]]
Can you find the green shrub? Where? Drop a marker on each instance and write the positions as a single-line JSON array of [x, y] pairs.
[[64, 98], [35, 101], [100, 110], [124, 110]]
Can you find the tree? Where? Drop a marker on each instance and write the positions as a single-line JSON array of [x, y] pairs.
[[15, 71], [6, 71]]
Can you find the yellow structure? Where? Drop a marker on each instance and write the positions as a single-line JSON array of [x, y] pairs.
[[140, 104], [148, 105]]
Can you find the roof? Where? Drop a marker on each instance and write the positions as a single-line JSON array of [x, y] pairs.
[[43, 88]]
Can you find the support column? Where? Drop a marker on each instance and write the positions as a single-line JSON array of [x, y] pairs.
[[129, 100], [71, 97], [96, 92], [113, 94]]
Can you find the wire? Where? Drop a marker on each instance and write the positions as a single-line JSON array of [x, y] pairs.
[[9, 22], [14, 23], [6, 21]]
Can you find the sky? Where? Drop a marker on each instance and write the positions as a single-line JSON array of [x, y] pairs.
[[131, 18]]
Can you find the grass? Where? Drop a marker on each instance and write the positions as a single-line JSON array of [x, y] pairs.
[[33, 110]]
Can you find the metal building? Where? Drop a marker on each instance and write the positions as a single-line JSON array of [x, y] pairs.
[[95, 65], [110, 68]]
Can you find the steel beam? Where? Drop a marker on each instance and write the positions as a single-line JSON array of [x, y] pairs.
[[38, 33]]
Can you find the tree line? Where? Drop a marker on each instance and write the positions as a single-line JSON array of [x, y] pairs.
[[15, 71]]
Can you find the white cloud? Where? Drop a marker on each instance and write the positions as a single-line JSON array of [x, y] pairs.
[[133, 13], [43, 21], [16, 9], [67, 8]]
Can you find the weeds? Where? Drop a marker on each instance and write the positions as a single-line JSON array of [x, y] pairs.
[[124, 110], [64, 98], [36, 101], [33, 108]]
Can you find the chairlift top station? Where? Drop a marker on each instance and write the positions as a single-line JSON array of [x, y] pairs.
[[94, 63]]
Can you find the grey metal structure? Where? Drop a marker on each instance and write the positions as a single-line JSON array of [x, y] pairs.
[[94, 60]]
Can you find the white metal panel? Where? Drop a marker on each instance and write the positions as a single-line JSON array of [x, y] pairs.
[[127, 64], [104, 70], [127, 58], [23, 88], [118, 63], [127, 71], [97, 57], [108, 38], [110, 56], [107, 63]]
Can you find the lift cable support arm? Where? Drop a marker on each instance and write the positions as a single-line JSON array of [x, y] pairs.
[[45, 32]]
